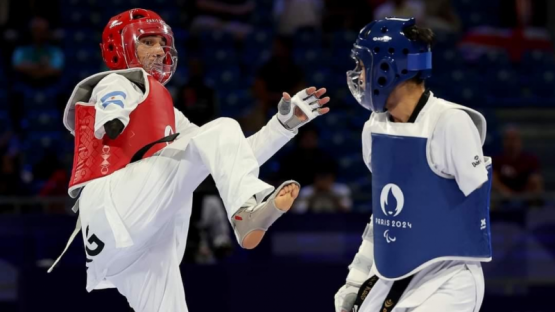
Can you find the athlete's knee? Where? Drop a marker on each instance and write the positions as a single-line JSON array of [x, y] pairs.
[[228, 123], [223, 128]]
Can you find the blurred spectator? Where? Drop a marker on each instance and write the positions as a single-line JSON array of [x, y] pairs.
[[325, 194], [40, 63], [37, 65], [523, 13], [279, 74], [227, 15], [441, 16], [292, 15], [46, 166], [209, 239], [401, 8], [10, 167], [56, 184], [195, 99], [304, 162], [15, 15], [51, 174], [515, 171], [522, 27], [346, 15], [4, 10], [550, 12]]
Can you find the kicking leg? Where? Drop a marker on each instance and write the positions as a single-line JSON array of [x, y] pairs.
[[224, 150], [252, 221]]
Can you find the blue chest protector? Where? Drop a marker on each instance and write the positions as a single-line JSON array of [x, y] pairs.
[[419, 216]]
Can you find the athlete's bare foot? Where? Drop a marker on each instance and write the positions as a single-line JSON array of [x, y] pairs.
[[284, 200], [256, 223]]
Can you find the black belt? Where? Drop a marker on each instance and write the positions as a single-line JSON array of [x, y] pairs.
[[140, 153], [392, 297]]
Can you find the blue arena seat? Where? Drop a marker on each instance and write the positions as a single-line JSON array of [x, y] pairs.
[[224, 78], [260, 38], [307, 38], [214, 58], [43, 120], [212, 39]]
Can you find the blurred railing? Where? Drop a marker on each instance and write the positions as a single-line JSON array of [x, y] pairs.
[[17, 205], [523, 238], [12, 204], [547, 196]]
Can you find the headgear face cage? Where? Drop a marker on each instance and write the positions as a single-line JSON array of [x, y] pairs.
[[385, 57], [160, 61], [121, 38]]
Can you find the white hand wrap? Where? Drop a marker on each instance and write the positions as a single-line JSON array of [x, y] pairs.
[[345, 298], [307, 103]]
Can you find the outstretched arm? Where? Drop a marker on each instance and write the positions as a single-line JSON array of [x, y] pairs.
[[292, 114], [270, 139]]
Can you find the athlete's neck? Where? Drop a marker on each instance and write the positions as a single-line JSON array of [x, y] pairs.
[[403, 100]]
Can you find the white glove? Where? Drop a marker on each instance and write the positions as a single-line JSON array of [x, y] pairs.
[[345, 298], [302, 108]]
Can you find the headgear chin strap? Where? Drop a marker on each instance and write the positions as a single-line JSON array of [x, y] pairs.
[[385, 58]]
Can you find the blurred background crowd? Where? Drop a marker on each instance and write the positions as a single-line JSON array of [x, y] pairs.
[[236, 57]]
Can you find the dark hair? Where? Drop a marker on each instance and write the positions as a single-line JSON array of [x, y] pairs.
[[424, 35]]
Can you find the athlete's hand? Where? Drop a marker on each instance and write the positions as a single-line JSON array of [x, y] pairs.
[[293, 112], [321, 102], [345, 298]]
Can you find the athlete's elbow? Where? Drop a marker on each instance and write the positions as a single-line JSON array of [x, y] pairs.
[[113, 128]]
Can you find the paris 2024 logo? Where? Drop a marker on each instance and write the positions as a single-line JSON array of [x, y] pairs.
[[392, 202]]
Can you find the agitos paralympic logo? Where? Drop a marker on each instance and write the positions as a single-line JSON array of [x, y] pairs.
[[392, 202]]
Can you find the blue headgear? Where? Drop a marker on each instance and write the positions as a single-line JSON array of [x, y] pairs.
[[388, 58]]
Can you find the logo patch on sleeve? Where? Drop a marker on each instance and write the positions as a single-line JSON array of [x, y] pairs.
[[477, 161], [114, 97]]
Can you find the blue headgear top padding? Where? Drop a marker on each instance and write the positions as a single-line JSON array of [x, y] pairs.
[[389, 58]]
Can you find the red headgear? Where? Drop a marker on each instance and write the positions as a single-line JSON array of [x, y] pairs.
[[122, 34]]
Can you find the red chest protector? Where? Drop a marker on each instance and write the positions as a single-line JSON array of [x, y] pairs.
[[152, 120]]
